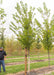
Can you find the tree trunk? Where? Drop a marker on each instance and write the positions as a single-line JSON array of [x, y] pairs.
[[49, 58], [38, 54], [25, 61], [28, 62], [2, 38]]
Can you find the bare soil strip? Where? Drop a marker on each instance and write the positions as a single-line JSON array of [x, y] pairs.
[[39, 71]]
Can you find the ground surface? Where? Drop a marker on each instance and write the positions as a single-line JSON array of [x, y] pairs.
[[19, 63], [39, 71]]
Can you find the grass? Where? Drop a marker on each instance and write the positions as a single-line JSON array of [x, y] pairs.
[[41, 58], [52, 73], [13, 60], [22, 59], [23, 56], [14, 56], [18, 68]]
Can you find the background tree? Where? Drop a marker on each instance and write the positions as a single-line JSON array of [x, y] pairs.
[[1, 1], [25, 32], [12, 46], [2, 29], [38, 45], [38, 38], [46, 29]]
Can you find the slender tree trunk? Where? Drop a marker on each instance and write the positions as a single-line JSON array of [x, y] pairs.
[[25, 61], [2, 38], [49, 58], [28, 62], [38, 54]]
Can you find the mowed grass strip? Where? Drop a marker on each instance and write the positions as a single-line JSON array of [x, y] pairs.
[[52, 73], [14, 56], [13, 60], [30, 55], [22, 59], [18, 68]]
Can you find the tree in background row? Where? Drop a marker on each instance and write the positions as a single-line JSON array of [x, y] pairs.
[[2, 29], [38, 45], [24, 29], [12, 46], [38, 38], [46, 28], [1, 1]]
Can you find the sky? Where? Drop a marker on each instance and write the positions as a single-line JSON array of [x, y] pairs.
[[9, 7]]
